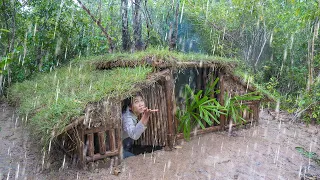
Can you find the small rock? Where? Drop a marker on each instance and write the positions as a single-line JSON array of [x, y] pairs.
[[116, 171]]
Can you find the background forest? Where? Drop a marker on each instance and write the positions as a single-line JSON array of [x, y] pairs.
[[276, 40]]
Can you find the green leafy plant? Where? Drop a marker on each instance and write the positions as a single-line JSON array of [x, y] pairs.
[[310, 155], [309, 104], [235, 105], [5, 61], [199, 109]]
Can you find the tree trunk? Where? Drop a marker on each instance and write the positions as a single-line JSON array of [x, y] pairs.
[[311, 57], [173, 32], [125, 30], [148, 23], [137, 26]]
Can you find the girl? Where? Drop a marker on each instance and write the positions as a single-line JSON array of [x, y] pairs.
[[132, 127]]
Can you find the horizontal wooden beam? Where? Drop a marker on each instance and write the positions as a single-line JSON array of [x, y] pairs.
[[100, 156], [73, 124], [99, 129], [200, 131]]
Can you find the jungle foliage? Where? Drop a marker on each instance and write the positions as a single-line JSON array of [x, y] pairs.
[[278, 41]]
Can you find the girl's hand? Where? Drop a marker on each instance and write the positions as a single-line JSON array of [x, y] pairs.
[[146, 115]]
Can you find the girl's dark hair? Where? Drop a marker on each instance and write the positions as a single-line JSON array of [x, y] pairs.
[[128, 101]]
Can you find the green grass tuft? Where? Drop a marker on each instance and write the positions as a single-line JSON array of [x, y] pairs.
[[159, 54]]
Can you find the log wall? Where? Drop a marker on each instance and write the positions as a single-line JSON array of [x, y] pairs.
[[156, 132]]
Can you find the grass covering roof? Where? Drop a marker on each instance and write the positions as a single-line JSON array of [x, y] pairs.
[[157, 58], [49, 100]]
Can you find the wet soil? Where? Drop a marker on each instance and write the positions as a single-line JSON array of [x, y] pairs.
[[262, 151]]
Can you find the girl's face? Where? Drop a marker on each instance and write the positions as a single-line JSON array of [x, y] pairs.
[[138, 105]]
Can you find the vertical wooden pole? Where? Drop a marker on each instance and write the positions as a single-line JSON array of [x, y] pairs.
[[162, 125], [90, 144], [199, 79], [170, 114], [112, 140], [81, 153], [119, 139], [102, 142], [221, 100], [256, 114]]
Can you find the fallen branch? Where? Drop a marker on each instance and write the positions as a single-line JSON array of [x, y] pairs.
[[98, 22]]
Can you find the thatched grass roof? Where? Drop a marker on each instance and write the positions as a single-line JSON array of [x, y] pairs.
[[49, 101], [160, 59]]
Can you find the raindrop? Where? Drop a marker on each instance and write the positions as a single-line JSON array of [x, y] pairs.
[[277, 155], [8, 176], [192, 151], [164, 170], [43, 157], [247, 149], [17, 171], [49, 146], [300, 171], [57, 91], [65, 53], [230, 128], [64, 161], [15, 124], [181, 13], [35, 29], [169, 164], [207, 9]]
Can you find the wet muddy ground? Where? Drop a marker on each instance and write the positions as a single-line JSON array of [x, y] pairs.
[[262, 151]]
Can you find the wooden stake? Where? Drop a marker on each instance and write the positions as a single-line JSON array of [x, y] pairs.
[[221, 100], [90, 144], [80, 145], [169, 99], [102, 142], [112, 140], [119, 130], [163, 123]]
